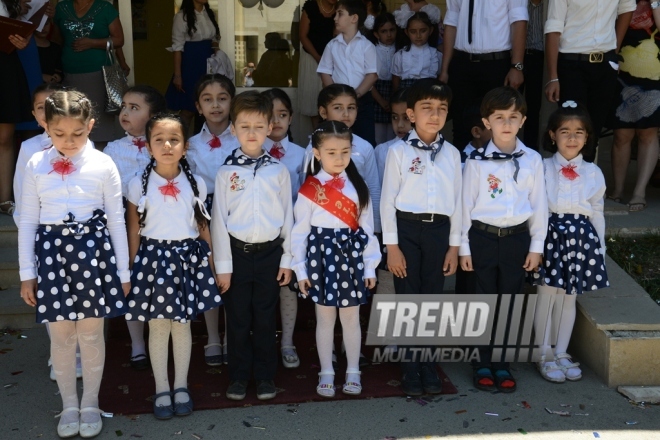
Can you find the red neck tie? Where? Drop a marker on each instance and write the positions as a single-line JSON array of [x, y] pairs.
[[214, 142], [63, 166], [568, 171], [140, 143], [277, 151], [337, 182], [170, 189]]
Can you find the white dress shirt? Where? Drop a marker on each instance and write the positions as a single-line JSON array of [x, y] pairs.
[[130, 161], [491, 23], [48, 197], [348, 63], [206, 161], [168, 218], [469, 148], [414, 183], [293, 160], [384, 55], [417, 63], [524, 201], [309, 215], [381, 155], [585, 195], [29, 147], [586, 25], [205, 30], [252, 207], [364, 158]]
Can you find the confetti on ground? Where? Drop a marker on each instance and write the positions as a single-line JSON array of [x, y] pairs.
[[9, 385], [559, 413], [16, 373], [119, 433], [580, 414], [293, 411], [632, 422], [564, 405], [197, 436], [107, 415], [465, 424], [246, 424], [596, 435], [210, 428], [421, 402], [451, 399], [405, 419], [394, 383], [461, 411], [506, 419], [582, 406], [522, 431], [492, 414], [136, 435], [526, 405]]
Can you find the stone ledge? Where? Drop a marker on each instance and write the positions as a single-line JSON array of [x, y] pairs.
[[14, 312]]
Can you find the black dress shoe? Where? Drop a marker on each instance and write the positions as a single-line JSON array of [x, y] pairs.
[[237, 390], [411, 384], [430, 380], [140, 362], [266, 390]]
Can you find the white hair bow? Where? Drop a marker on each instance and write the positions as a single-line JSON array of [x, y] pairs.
[[571, 104]]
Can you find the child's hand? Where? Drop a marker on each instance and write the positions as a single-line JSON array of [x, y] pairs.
[[28, 290], [284, 276], [127, 288], [466, 263], [532, 262], [370, 283], [223, 280], [451, 261], [304, 286], [396, 262]]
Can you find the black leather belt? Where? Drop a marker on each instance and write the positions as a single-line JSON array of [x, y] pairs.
[[595, 57], [253, 248], [533, 52], [476, 57], [426, 218], [500, 232]]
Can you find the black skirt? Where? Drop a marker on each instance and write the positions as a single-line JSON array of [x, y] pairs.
[[14, 91]]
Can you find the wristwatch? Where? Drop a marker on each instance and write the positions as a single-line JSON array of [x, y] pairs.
[[518, 66], [655, 5]]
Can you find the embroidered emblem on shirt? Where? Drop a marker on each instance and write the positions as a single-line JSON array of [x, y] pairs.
[[569, 172], [214, 142], [494, 186], [277, 151], [63, 166], [237, 184], [170, 189], [417, 167]]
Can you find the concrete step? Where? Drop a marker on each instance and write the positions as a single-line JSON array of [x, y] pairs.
[[14, 313], [8, 232], [9, 276]]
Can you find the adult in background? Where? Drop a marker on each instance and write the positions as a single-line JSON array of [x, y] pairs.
[[582, 38], [195, 31], [274, 68], [84, 27], [484, 48], [317, 27], [638, 102], [16, 105]]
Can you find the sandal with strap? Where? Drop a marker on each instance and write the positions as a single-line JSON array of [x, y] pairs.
[[504, 381], [183, 408], [483, 379], [7, 207], [89, 430], [352, 388], [571, 369], [549, 371], [66, 430], [290, 360], [326, 389], [216, 359], [163, 412]]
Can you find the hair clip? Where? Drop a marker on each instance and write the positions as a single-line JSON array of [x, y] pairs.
[[317, 130], [571, 104]]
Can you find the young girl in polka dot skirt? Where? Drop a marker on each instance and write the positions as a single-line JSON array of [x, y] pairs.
[[73, 253], [170, 248], [574, 256], [335, 253]]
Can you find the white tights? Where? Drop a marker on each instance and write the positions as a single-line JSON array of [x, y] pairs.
[[136, 330], [159, 339], [325, 334], [288, 310], [555, 315], [64, 337], [212, 318]]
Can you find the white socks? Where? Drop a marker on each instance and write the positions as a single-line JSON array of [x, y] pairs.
[[325, 332], [288, 311], [65, 336], [159, 338], [136, 330]]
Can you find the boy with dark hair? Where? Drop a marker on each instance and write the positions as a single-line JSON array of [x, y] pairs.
[[400, 125], [480, 134], [505, 218], [251, 229]]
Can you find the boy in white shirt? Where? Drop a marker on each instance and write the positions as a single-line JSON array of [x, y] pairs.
[[505, 219], [251, 231], [350, 58], [421, 212], [480, 134]]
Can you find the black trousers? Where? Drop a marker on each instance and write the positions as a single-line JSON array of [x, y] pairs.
[[424, 246], [591, 84], [469, 82], [498, 268], [533, 88], [365, 123], [250, 304]]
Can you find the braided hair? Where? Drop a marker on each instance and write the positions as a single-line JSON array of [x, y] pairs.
[[188, 8], [202, 222]]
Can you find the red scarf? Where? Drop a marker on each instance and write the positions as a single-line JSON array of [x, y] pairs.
[[63, 166], [331, 199], [170, 189], [277, 151]]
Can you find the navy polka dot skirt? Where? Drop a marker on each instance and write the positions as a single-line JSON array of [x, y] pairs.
[[335, 267], [77, 271], [172, 279], [572, 259]]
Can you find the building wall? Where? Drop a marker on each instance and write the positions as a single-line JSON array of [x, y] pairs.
[[153, 64]]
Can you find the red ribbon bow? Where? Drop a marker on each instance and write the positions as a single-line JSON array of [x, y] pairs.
[[170, 189], [214, 142], [277, 151], [337, 182], [568, 171], [140, 143], [63, 166]]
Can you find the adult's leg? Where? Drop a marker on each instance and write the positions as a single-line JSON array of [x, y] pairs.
[[7, 161], [620, 158], [159, 345], [365, 122], [533, 96], [647, 159], [63, 342], [92, 354], [601, 82], [181, 348], [466, 94]]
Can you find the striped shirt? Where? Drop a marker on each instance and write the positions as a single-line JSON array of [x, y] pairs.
[[535, 26]]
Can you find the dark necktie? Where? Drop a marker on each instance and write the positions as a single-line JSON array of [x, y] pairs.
[[479, 155], [470, 13], [434, 148], [238, 158]]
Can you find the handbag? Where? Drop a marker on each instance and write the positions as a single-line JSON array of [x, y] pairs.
[[115, 82]]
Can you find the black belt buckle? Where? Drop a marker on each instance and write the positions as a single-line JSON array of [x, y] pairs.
[[248, 247], [431, 219], [500, 234], [475, 60]]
